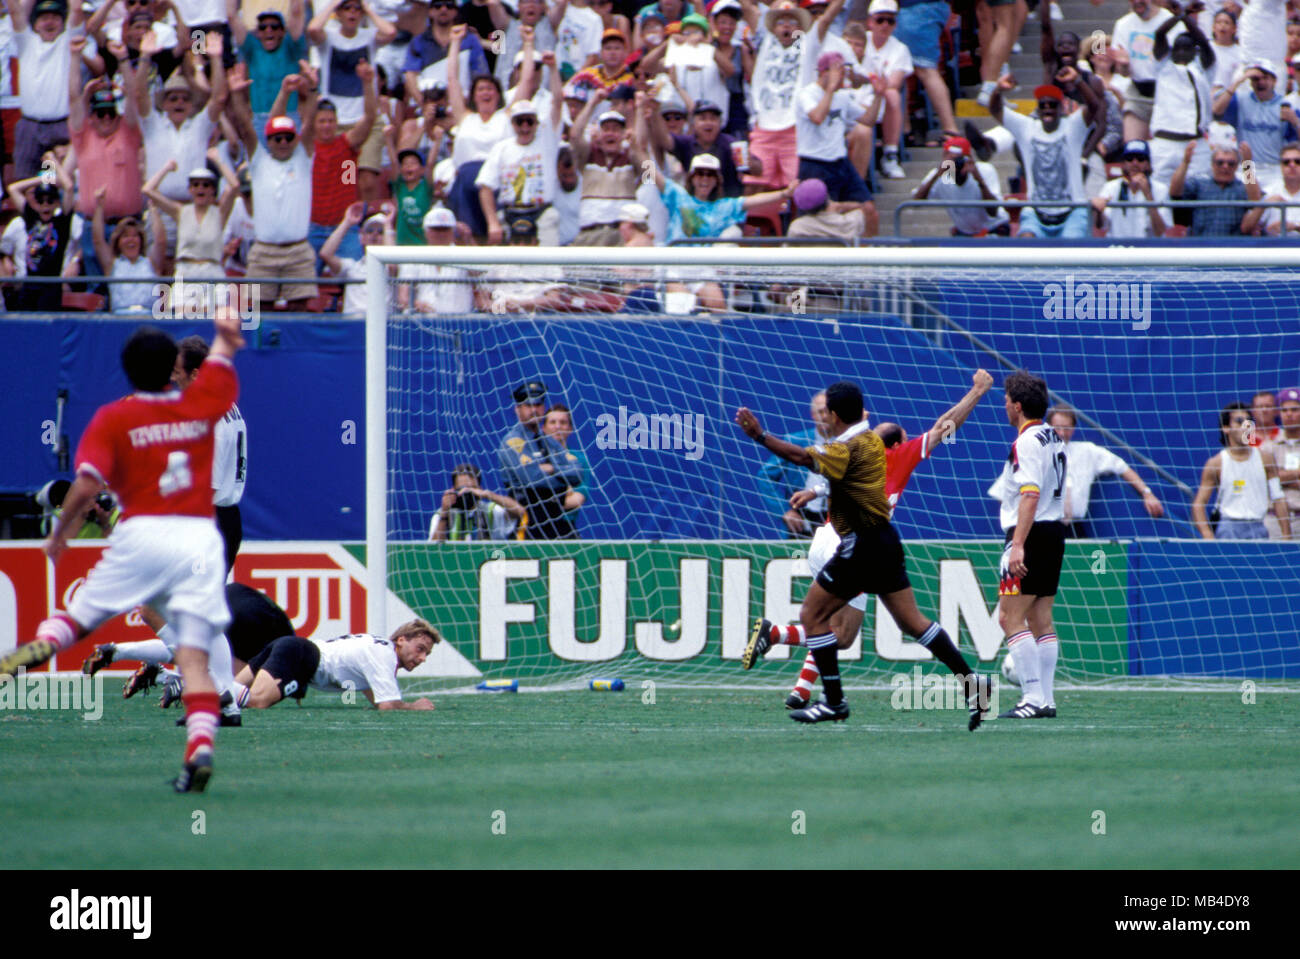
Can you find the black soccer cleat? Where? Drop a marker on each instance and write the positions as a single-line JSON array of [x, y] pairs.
[[30, 654], [1047, 712], [795, 701], [146, 677], [821, 712], [226, 721], [760, 641], [102, 656], [195, 773], [1023, 710], [978, 702]]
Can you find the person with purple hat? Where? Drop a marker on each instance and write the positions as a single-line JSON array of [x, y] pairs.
[[824, 114], [818, 217]]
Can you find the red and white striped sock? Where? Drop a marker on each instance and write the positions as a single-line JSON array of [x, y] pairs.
[[60, 629], [807, 677], [202, 714], [789, 635]]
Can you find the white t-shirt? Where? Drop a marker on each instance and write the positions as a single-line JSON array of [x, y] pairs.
[[1036, 463], [578, 37], [359, 662], [1182, 103], [825, 140], [229, 458], [9, 100], [476, 137], [1051, 159], [1243, 487], [774, 83], [43, 73], [1133, 222], [339, 56], [1086, 462], [1227, 60], [1261, 31], [449, 294], [698, 74], [522, 175], [281, 196], [1273, 216], [884, 61], [568, 205], [187, 145], [970, 220], [195, 12], [1137, 37], [354, 294]]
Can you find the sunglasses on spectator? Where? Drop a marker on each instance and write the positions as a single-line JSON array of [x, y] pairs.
[[280, 138], [524, 122], [443, 5], [138, 3], [270, 25], [1291, 162], [1225, 162], [674, 116], [879, 19], [705, 173], [105, 113], [372, 229]]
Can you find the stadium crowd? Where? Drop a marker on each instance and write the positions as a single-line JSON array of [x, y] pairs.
[[199, 139]]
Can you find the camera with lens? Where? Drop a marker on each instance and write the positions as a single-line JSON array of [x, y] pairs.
[[466, 501]]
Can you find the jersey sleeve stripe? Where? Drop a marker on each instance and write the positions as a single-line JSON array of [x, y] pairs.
[[1029, 488], [90, 470]]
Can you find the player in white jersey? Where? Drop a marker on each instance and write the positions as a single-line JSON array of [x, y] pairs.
[[1247, 480], [1033, 483], [358, 662], [230, 458]]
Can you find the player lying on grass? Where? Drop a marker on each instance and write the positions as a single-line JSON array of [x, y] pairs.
[[358, 662], [868, 559], [901, 457], [154, 450], [255, 621]]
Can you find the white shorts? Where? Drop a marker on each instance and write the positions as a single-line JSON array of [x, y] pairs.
[[174, 563], [824, 544]]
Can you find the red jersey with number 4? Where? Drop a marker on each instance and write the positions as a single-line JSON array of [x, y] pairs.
[[900, 460], [154, 450]]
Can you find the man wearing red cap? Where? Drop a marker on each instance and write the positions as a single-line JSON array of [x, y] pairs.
[[1052, 147], [282, 181], [961, 177]]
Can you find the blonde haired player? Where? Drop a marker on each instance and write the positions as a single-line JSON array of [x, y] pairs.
[[154, 450]]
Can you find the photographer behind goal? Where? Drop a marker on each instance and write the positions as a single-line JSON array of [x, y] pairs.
[[469, 512]]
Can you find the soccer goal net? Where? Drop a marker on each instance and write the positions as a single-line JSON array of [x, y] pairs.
[[594, 392]]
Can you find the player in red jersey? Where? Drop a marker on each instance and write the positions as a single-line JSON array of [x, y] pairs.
[[902, 456], [154, 450]]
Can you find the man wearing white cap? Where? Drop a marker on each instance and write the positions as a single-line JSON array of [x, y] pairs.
[[887, 64], [521, 171], [377, 230], [1134, 184], [1261, 117], [446, 288], [611, 170]]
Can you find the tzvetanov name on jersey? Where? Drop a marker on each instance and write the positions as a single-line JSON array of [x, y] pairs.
[[168, 432]]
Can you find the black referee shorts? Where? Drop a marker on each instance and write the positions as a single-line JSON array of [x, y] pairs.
[[868, 561], [290, 659], [1044, 552]]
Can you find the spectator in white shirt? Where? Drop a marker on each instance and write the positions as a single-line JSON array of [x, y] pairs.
[[521, 171], [885, 64], [1227, 51], [1182, 107], [961, 177], [1052, 147], [445, 289], [773, 87], [1134, 184], [825, 112], [1132, 50], [376, 231], [44, 62], [1284, 190], [1085, 463]]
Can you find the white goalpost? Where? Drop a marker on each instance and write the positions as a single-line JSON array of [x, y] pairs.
[[682, 536]]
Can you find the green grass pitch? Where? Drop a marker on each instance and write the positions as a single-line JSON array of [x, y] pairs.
[[699, 778]]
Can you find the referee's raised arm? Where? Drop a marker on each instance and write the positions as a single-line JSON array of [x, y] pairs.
[[748, 422]]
